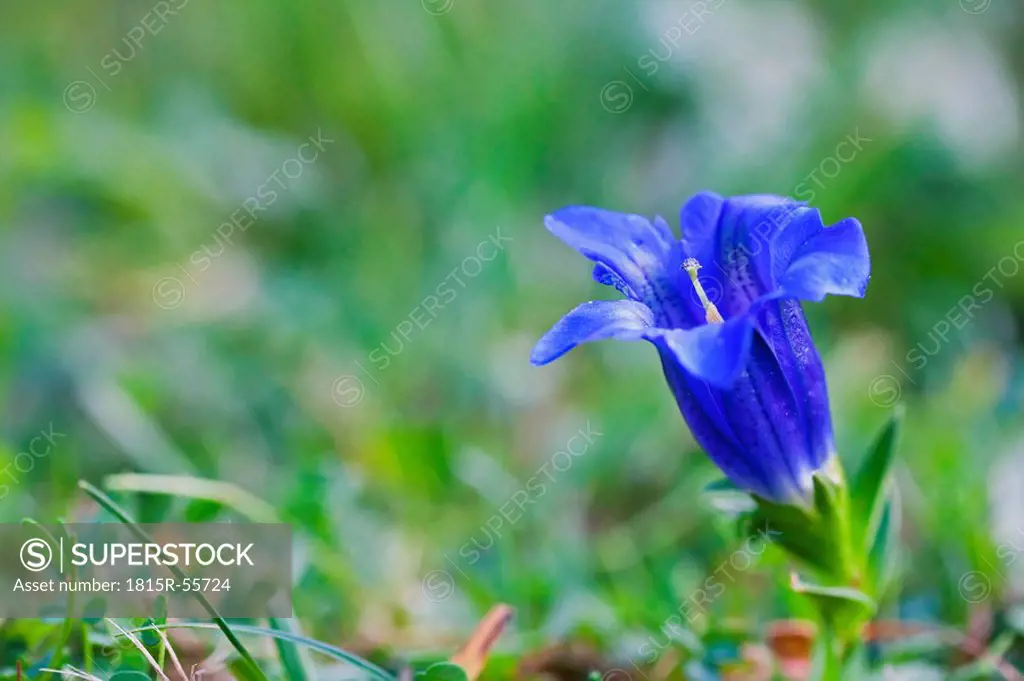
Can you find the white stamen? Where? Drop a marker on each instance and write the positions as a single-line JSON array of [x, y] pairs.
[[711, 313]]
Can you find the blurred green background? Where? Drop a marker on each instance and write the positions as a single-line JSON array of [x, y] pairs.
[[354, 350]]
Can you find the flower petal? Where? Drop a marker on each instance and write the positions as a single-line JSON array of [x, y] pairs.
[[784, 328], [596, 320], [699, 222], [715, 353], [630, 247], [731, 238], [749, 430], [810, 261], [699, 404], [762, 411]]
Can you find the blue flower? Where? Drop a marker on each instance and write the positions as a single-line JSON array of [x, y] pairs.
[[733, 340]]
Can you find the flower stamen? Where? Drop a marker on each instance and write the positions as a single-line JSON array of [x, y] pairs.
[[711, 313]]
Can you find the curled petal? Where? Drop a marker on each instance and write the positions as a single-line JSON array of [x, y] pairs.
[[810, 261], [596, 320], [632, 250], [606, 276]]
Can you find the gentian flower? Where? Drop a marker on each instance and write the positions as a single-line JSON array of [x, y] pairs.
[[743, 367]]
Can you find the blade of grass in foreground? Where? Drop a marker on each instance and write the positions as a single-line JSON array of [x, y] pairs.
[[67, 627], [323, 556], [325, 648], [256, 510], [119, 513], [296, 665], [189, 487]]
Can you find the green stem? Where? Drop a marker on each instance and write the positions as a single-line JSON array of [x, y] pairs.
[[833, 657]]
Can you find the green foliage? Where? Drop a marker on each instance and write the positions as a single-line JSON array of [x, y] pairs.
[[870, 488], [443, 671]]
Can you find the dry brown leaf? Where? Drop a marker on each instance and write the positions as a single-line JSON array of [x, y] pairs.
[[473, 656]]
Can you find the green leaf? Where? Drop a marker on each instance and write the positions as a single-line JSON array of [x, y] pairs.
[[830, 664], [832, 503], [797, 530], [296, 665], [202, 511], [869, 483], [444, 671], [883, 554], [201, 489], [240, 670], [817, 535], [843, 609]]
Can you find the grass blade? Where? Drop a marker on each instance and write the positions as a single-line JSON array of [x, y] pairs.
[[255, 509], [320, 647], [323, 556], [295, 664], [189, 487], [107, 503]]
